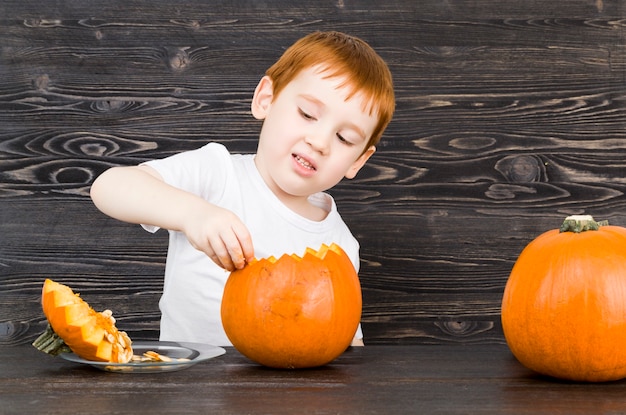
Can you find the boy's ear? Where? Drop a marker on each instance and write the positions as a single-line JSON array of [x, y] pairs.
[[360, 162], [262, 98]]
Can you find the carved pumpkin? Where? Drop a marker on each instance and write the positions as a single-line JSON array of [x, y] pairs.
[[89, 334], [293, 312], [564, 305]]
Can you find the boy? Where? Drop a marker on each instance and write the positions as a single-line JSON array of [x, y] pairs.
[[324, 104]]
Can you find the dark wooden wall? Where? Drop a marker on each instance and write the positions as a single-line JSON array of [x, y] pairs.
[[510, 115]]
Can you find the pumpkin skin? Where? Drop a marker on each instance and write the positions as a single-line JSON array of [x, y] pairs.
[[293, 312], [564, 305], [89, 334]]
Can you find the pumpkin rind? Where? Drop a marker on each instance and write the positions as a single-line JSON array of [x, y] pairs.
[[564, 305], [89, 334], [293, 312]]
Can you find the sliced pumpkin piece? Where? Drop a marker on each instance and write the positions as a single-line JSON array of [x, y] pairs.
[[75, 325]]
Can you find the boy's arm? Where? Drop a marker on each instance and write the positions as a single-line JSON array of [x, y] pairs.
[[357, 342], [138, 194]]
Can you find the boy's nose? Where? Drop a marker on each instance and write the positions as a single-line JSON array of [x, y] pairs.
[[319, 142]]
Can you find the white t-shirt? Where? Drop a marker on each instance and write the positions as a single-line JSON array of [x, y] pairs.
[[191, 300]]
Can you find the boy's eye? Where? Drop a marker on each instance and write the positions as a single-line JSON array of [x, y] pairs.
[[305, 115], [343, 140]]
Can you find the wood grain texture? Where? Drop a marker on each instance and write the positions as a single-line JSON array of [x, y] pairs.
[[510, 115], [381, 379]]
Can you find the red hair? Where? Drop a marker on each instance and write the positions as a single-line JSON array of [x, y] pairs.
[[341, 55]]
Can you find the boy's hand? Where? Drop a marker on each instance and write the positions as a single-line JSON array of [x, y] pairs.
[[221, 235], [138, 194]]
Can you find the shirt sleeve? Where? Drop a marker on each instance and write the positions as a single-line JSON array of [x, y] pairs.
[[203, 172]]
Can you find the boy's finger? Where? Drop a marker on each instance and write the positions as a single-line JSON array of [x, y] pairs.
[[221, 254], [238, 259], [245, 243]]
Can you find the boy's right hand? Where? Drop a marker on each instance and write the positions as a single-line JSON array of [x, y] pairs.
[[138, 194], [221, 235]]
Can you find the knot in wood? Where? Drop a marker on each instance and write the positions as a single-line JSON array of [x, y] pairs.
[[72, 175], [110, 105], [12, 330], [521, 169], [178, 59], [41, 82], [463, 328]]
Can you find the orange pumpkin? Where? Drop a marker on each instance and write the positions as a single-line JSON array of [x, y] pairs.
[[89, 334], [564, 305], [293, 312]]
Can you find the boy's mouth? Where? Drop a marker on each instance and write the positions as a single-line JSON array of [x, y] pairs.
[[303, 162]]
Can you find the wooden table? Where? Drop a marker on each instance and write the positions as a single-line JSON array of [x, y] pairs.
[[371, 380]]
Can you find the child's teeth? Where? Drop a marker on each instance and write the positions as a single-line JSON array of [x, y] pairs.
[[303, 162]]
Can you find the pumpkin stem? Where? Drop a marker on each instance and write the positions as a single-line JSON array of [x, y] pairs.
[[50, 342], [581, 223]]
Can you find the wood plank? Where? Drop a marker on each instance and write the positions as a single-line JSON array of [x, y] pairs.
[[451, 379], [510, 116]]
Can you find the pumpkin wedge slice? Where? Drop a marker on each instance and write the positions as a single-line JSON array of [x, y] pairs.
[[89, 334]]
